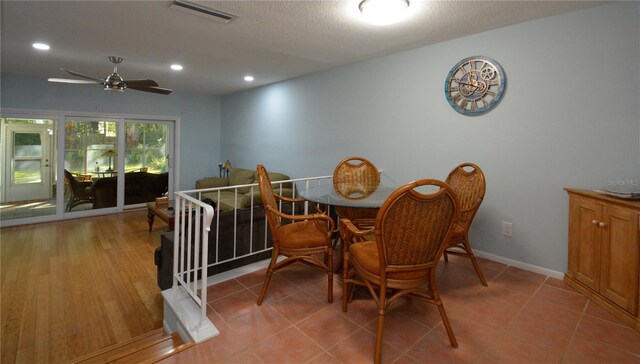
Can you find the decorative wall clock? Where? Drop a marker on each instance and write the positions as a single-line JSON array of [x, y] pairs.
[[475, 85]]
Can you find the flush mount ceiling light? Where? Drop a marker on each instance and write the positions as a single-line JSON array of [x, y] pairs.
[[383, 12], [41, 46], [176, 67], [248, 78]]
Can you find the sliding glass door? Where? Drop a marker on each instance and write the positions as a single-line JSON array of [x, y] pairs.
[[53, 167], [116, 163]]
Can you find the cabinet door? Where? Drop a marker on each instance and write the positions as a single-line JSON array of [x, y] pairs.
[[584, 241], [619, 275]]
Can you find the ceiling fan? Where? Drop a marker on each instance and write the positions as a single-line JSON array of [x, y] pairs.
[[114, 82]]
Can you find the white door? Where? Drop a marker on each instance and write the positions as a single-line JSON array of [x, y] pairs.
[[28, 162]]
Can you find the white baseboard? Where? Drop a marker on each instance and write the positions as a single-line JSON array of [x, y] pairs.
[[519, 264]]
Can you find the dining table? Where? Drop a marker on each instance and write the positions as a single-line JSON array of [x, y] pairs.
[[362, 197], [349, 202]]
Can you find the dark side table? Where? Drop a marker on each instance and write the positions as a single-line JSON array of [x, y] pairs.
[[163, 212]]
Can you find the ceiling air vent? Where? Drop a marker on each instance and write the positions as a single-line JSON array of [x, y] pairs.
[[201, 10]]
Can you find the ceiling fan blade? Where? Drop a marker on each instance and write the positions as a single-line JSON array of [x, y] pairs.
[[68, 80], [82, 75], [141, 83], [155, 90]]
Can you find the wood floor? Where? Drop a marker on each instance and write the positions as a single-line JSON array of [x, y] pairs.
[[70, 288]]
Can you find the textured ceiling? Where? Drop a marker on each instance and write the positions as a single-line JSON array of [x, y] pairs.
[[272, 40]]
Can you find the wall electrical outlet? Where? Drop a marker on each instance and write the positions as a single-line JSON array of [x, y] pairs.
[[507, 229]]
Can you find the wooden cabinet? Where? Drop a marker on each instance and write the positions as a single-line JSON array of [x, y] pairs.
[[604, 252]]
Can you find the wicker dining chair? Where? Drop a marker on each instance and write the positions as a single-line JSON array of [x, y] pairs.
[[411, 233], [355, 178], [467, 181], [299, 240]]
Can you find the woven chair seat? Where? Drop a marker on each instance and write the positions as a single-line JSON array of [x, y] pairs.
[[365, 255], [303, 234], [457, 233]]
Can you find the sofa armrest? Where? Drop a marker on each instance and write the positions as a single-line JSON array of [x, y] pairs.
[[212, 182]]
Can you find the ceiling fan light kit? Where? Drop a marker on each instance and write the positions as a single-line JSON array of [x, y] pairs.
[[114, 82]]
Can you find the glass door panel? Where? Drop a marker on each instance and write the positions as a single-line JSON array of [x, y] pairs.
[[146, 161], [27, 158], [91, 164]]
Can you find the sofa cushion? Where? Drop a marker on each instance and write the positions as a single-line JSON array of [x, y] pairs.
[[257, 197], [227, 200], [212, 182], [274, 177], [241, 176]]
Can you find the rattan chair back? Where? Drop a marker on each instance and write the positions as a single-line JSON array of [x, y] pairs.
[[268, 200], [470, 187], [412, 227], [355, 177]]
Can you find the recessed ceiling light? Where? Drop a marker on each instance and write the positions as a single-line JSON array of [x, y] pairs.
[[383, 12], [176, 67], [41, 46], [248, 78]]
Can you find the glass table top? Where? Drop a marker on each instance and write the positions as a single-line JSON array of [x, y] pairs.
[[364, 197]]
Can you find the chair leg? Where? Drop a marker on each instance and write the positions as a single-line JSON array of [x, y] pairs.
[[267, 279], [446, 257], [330, 275], [433, 290], [445, 321], [377, 356], [382, 308], [345, 276], [476, 266]]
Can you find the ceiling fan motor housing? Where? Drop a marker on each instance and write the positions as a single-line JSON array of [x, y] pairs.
[[114, 83]]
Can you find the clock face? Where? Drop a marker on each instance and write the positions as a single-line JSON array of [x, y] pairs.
[[475, 85]]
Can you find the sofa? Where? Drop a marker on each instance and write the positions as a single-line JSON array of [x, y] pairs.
[[139, 187], [251, 224], [237, 177]]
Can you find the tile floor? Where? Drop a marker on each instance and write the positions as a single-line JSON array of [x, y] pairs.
[[522, 317]]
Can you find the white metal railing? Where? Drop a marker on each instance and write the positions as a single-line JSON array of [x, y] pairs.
[[193, 221], [190, 255]]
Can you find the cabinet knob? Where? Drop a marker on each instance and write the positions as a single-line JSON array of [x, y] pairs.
[[602, 224], [594, 222]]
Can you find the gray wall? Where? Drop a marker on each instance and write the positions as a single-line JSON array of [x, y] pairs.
[[570, 118], [199, 115]]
